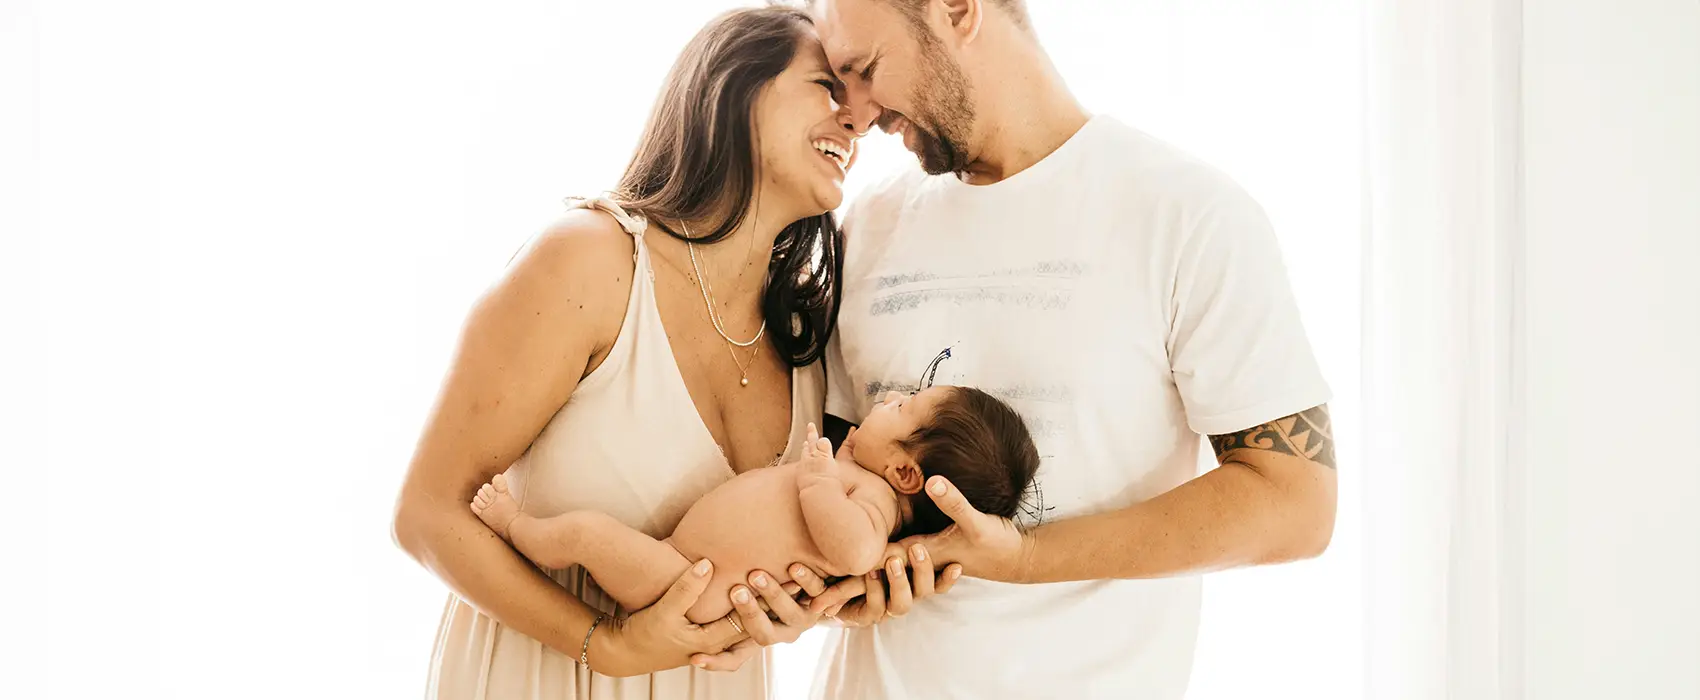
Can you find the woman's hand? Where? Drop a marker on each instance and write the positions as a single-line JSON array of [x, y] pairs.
[[659, 637], [770, 615], [863, 600]]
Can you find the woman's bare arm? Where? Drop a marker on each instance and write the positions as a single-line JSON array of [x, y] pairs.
[[524, 348]]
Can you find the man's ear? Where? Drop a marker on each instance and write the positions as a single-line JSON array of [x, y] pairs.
[[964, 17], [906, 477]]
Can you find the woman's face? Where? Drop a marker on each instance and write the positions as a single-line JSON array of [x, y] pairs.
[[804, 140]]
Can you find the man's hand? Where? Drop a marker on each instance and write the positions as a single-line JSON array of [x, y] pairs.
[[860, 601], [986, 546]]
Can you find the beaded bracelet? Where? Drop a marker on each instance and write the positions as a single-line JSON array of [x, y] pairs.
[[584, 654]]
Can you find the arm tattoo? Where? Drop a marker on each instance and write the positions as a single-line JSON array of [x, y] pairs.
[[1308, 434]]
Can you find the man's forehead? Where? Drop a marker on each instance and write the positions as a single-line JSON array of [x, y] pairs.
[[838, 26]]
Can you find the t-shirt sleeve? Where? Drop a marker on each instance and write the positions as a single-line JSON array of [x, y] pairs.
[[1237, 347]]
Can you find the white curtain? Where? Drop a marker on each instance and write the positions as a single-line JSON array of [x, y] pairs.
[[1443, 477]]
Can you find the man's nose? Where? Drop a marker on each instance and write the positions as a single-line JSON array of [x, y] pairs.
[[859, 112]]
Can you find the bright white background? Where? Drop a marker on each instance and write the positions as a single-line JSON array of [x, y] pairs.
[[257, 229], [236, 242]]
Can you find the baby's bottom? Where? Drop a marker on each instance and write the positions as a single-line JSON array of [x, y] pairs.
[[633, 568]]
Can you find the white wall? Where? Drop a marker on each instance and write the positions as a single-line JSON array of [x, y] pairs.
[[1612, 119]]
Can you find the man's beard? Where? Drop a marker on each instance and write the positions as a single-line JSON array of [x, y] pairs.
[[943, 115]]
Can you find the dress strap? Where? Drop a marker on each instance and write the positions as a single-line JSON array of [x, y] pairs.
[[634, 225]]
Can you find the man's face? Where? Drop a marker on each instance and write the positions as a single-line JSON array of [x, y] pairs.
[[901, 77]]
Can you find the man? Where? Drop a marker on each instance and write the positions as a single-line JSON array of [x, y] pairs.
[[1126, 299]]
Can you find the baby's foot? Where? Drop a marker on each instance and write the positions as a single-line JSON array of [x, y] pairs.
[[495, 506]]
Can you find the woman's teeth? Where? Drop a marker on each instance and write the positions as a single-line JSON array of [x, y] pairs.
[[833, 151]]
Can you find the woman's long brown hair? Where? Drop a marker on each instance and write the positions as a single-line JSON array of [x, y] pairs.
[[697, 159]]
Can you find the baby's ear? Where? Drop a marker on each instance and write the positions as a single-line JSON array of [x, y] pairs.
[[906, 477]]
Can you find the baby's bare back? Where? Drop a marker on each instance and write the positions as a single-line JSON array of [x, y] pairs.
[[752, 522]]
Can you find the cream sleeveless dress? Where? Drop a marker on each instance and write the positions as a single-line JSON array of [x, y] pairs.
[[629, 443]]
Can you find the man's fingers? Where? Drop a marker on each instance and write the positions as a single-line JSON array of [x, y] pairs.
[[954, 504], [873, 600], [684, 592], [948, 579], [921, 570], [839, 594], [899, 597], [811, 584]]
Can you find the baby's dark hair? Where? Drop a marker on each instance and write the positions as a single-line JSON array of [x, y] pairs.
[[982, 446]]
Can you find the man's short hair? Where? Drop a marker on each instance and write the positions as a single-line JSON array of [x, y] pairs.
[[912, 9]]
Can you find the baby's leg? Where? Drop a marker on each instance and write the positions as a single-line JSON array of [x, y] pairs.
[[633, 568]]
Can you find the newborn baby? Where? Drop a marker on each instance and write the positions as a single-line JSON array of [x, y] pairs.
[[834, 515]]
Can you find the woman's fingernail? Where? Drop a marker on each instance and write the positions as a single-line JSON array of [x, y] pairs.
[[918, 552], [703, 567], [760, 580], [937, 487], [741, 595]]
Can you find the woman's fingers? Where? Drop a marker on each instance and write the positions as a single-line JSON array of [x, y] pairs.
[[685, 591], [781, 604], [751, 617], [730, 660]]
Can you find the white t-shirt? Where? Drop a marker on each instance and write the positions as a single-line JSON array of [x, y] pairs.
[[1126, 299]]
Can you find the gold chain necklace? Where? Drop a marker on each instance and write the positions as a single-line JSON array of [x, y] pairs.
[[707, 289]]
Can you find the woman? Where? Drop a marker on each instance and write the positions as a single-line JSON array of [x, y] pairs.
[[645, 348]]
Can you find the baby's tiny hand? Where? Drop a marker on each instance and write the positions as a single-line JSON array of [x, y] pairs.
[[815, 445], [814, 464]]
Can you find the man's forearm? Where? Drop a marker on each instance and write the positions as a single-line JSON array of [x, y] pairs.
[[1235, 515]]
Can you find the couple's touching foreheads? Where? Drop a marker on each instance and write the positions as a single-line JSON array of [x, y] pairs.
[[700, 413]]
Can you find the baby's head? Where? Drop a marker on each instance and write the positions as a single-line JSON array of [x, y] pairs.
[[965, 435]]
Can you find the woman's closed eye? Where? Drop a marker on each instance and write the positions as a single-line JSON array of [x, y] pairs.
[[834, 89]]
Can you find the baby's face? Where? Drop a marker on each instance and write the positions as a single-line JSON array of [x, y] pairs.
[[875, 446]]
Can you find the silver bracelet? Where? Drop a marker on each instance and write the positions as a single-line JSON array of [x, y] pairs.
[[584, 654]]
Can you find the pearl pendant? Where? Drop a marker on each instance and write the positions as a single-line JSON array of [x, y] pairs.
[[744, 382]]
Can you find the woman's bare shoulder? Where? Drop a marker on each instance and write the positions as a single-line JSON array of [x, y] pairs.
[[580, 267], [581, 243]]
